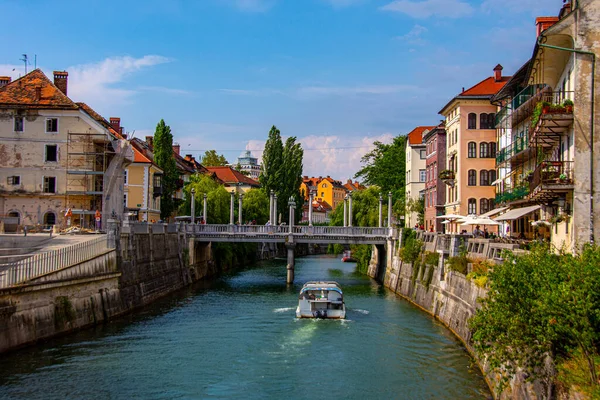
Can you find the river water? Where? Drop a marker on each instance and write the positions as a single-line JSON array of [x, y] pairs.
[[238, 338]]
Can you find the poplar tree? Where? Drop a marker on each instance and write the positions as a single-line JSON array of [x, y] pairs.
[[163, 157]]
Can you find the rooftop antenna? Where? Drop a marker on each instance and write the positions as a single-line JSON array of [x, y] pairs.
[[35, 61], [25, 61]]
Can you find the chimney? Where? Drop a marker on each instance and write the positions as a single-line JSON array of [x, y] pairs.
[[498, 73], [115, 122], [543, 23], [38, 93], [305, 177], [176, 148], [150, 140], [60, 80], [5, 80]]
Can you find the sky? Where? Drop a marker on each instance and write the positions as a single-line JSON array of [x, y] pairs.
[[336, 74]]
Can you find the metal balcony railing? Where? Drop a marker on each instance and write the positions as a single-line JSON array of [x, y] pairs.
[[552, 173], [521, 98], [514, 148]]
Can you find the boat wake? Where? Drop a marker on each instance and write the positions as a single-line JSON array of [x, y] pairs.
[[358, 310], [284, 309]]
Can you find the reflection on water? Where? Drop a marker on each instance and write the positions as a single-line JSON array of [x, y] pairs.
[[238, 337]]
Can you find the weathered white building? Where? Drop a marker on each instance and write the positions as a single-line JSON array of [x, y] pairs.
[[416, 155], [55, 155]]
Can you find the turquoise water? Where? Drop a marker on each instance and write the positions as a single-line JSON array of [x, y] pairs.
[[238, 338]]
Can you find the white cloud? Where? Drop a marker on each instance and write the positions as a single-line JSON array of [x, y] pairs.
[[533, 7], [414, 35], [429, 8], [13, 70], [94, 83]]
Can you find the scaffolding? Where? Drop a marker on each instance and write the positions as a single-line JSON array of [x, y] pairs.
[[88, 157]]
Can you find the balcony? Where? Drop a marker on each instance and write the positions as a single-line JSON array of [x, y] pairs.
[[550, 121], [516, 152], [550, 179], [520, 99], [448, 177], [511, 195]]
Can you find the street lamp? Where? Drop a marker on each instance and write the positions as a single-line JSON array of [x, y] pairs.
[[292, 206], [193, 205]]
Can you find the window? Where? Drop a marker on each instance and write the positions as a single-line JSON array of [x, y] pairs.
[[472, 178], [486, 121], [492, 149], [484, 178], [18, 124], [491, 203], [125, 178], [51, 125], [13, 180], [483, 206], [423, 154], [322, 194], [125, 200], [492, 175], [324, 185], [472, 150], [472, 206], [49, 218], [422, 175], [49, 184], [472, 121], [484, 150], [51, 153]]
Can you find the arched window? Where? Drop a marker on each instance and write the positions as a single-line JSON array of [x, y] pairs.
[[472, 121], [493, 149], [472, 150], [492, 203], [472, 206], [472, 178], [484, 178], [49, 218], [484, 150], [486, 121], [492, 176], [483, 206], [492, 120]]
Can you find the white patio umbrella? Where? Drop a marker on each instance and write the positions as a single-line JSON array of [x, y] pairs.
[[481, 221], [450, 217]]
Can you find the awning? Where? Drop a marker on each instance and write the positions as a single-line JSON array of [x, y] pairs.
[[497, 181], [493, 212], [517, 213]]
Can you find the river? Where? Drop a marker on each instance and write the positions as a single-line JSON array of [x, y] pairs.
[[237, 337]]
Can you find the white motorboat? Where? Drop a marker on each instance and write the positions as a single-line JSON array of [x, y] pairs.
[[321, 300]]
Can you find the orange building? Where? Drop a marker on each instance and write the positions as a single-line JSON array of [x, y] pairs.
[[471, 148]]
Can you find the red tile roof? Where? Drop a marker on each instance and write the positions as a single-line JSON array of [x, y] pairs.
[[416, 135], [230, 175], [34, 90], [487, 87]]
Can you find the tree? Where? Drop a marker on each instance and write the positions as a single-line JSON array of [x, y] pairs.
[[282, 171], [218, 199], [540, 304], [256, 206], [212, 159], [238, 168], [385, 167], [164, 158], [417, 206]]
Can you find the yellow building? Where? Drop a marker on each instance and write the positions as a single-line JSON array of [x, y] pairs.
[[143, 184], [326, 189]]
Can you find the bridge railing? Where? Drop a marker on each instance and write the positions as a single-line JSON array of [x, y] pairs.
[[283, 229], [44, 263]]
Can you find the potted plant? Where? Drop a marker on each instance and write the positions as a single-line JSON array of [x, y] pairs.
[[568, 104], [562, 177]]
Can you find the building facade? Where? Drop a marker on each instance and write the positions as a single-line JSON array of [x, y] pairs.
[[546, 135], [415, 171], [471, 148], [249, 164], [233, 179], [56, 155], [435, 190]]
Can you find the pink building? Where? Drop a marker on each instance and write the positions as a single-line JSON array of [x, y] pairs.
[[435, 189]]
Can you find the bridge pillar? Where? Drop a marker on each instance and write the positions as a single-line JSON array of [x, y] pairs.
[[275, 216], [204, 210], [240, 198], [310, 208], [345, 211], [380, 210], [350, 209], [291, 262], [271, 219], [231, 207]]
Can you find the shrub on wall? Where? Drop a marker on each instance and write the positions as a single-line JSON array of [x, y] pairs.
[[411, 250], [432, 258]]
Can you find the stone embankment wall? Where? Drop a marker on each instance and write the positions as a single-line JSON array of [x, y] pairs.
[[452, 299]]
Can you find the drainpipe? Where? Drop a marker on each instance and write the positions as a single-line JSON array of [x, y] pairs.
[[593, 55]]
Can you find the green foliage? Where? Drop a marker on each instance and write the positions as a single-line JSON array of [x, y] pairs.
[[282, 172], [538, 304], [362, 255], [238, 168], [515, 194], [365, 209], [458, 263], [384, 167], [256, 206], [417, 206], [479, 271], [212, 159], [335, 249], [537, 112], [432, 258], [229, 255], [568, 103], [164, 158], [411, 250], [218, 199], [429, 277]]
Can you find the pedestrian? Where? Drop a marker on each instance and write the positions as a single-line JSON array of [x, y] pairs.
[[98, 218]]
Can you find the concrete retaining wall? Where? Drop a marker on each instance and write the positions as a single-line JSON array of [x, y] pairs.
[[452, 299]]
